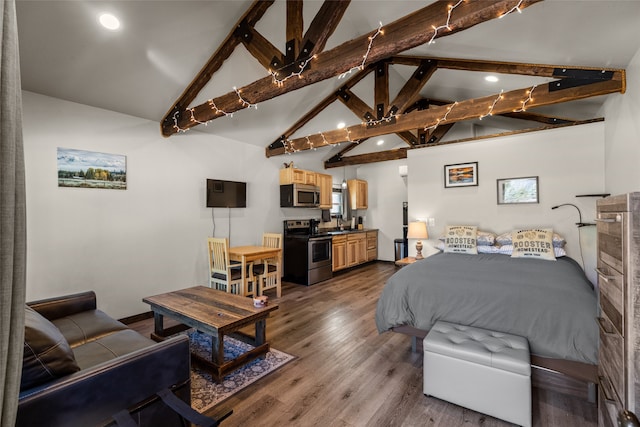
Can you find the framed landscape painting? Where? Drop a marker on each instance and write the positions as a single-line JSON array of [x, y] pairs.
[[518, 190], [89, 169], [461, 175]]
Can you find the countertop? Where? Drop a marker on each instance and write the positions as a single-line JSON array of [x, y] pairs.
[[331, 232]]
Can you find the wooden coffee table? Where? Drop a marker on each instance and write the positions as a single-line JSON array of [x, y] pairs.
[[216, 313]]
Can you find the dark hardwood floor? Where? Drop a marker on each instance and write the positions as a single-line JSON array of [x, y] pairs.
[[346, 374]]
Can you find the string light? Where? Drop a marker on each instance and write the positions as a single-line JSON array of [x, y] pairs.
[[529, 98], [243, 101], [382, 120], [516, 7], [324, 140], [280, 82], [366, 55], [495, 101], [444, 118], [217, 110], [175, 123], [193, 118], [445, 26]]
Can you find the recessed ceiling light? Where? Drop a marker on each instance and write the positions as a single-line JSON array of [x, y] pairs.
[[341, 125], [380, 142], [491, 79], [109, 21]]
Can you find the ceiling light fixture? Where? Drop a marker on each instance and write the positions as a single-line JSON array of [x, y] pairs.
[[109, 21], [492, 79], [341, 125], [380, 142]]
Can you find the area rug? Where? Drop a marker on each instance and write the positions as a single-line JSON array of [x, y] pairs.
[[205, 392]]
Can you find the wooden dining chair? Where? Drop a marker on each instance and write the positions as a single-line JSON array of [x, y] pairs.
[[226, 275], [266, 273]]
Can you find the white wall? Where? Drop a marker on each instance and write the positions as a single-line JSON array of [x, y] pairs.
[[622, 135], [387, 191], [149, 238]]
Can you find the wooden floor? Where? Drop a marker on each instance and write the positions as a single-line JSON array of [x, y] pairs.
[[346, 374]]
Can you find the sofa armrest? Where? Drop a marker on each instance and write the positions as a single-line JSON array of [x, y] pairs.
[[54, 308], [93, 395]]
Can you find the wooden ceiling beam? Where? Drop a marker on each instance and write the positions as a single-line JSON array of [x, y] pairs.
[[260, 48], [405, 33], [381, 90], [508, 102], [318, 108], [359, 159], [356, 105], [295, 27], [411, 89], [500, 67], [250, 17], [393, 155], [323, 25]]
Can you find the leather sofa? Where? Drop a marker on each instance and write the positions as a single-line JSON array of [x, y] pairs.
[[80, 367]]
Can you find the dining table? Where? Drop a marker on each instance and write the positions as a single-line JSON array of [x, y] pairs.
[[251, 254]]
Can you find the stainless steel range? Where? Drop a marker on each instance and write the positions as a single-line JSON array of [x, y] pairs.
[[307, 254]]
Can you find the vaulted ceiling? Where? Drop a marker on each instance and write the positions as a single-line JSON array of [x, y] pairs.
[[304, 65]]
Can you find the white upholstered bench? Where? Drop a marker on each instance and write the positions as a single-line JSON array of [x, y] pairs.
[[486, 371]]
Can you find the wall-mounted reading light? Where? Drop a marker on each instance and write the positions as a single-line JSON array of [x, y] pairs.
[[580, 223]]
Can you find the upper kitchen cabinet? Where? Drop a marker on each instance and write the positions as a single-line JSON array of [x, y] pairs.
[[325, 182], [358, 193], [297, 176]]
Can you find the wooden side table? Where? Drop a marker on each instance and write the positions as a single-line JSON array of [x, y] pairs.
[[406, 261]]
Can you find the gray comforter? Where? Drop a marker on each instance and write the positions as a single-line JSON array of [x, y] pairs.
[[550, 303]]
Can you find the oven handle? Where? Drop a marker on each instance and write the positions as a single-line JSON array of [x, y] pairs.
[[319, 239]]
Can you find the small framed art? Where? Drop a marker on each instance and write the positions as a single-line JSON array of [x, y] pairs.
[[461, 175], [518, 190]]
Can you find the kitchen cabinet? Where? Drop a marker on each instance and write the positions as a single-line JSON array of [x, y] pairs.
[[356, 249], [372, 245], [339, 252], [618, 225], [297, 176], [325, 182], [358, 193]]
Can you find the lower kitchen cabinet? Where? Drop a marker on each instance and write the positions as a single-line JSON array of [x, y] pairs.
[[355, 248], [339, 252]]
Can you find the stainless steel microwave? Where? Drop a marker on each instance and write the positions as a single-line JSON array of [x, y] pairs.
[[299, 196]]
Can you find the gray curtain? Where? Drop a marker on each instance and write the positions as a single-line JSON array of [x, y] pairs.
[[12, 217]]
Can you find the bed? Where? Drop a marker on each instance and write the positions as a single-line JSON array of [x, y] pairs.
[[551, 303]]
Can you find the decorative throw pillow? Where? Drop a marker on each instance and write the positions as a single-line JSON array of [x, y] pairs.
[[533, 243], [461, 239], [484, 238], [505, 239], [508, 250], [47, 354]]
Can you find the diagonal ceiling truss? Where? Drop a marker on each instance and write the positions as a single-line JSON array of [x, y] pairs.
[[417, 121], [423, 122], [304, 56]]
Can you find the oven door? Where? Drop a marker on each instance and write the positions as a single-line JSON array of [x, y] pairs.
[[319, 252]]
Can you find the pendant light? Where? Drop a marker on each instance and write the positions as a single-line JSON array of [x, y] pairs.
[[344, 180]]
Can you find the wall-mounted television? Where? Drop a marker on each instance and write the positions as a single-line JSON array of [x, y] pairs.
[[226, 194]]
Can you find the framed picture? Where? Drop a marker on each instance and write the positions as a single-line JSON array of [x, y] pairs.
[[518, 190], [89, 169], [461, 175]]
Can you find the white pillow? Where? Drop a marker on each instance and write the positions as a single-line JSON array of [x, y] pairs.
[[508, 250], [504, 250], [461, 239], [533, 243], [484, 238], [505, 239]]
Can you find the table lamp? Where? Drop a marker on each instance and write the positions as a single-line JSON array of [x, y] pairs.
[[418, 230]]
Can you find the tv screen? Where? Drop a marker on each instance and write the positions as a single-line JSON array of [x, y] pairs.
[[226, 194]]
